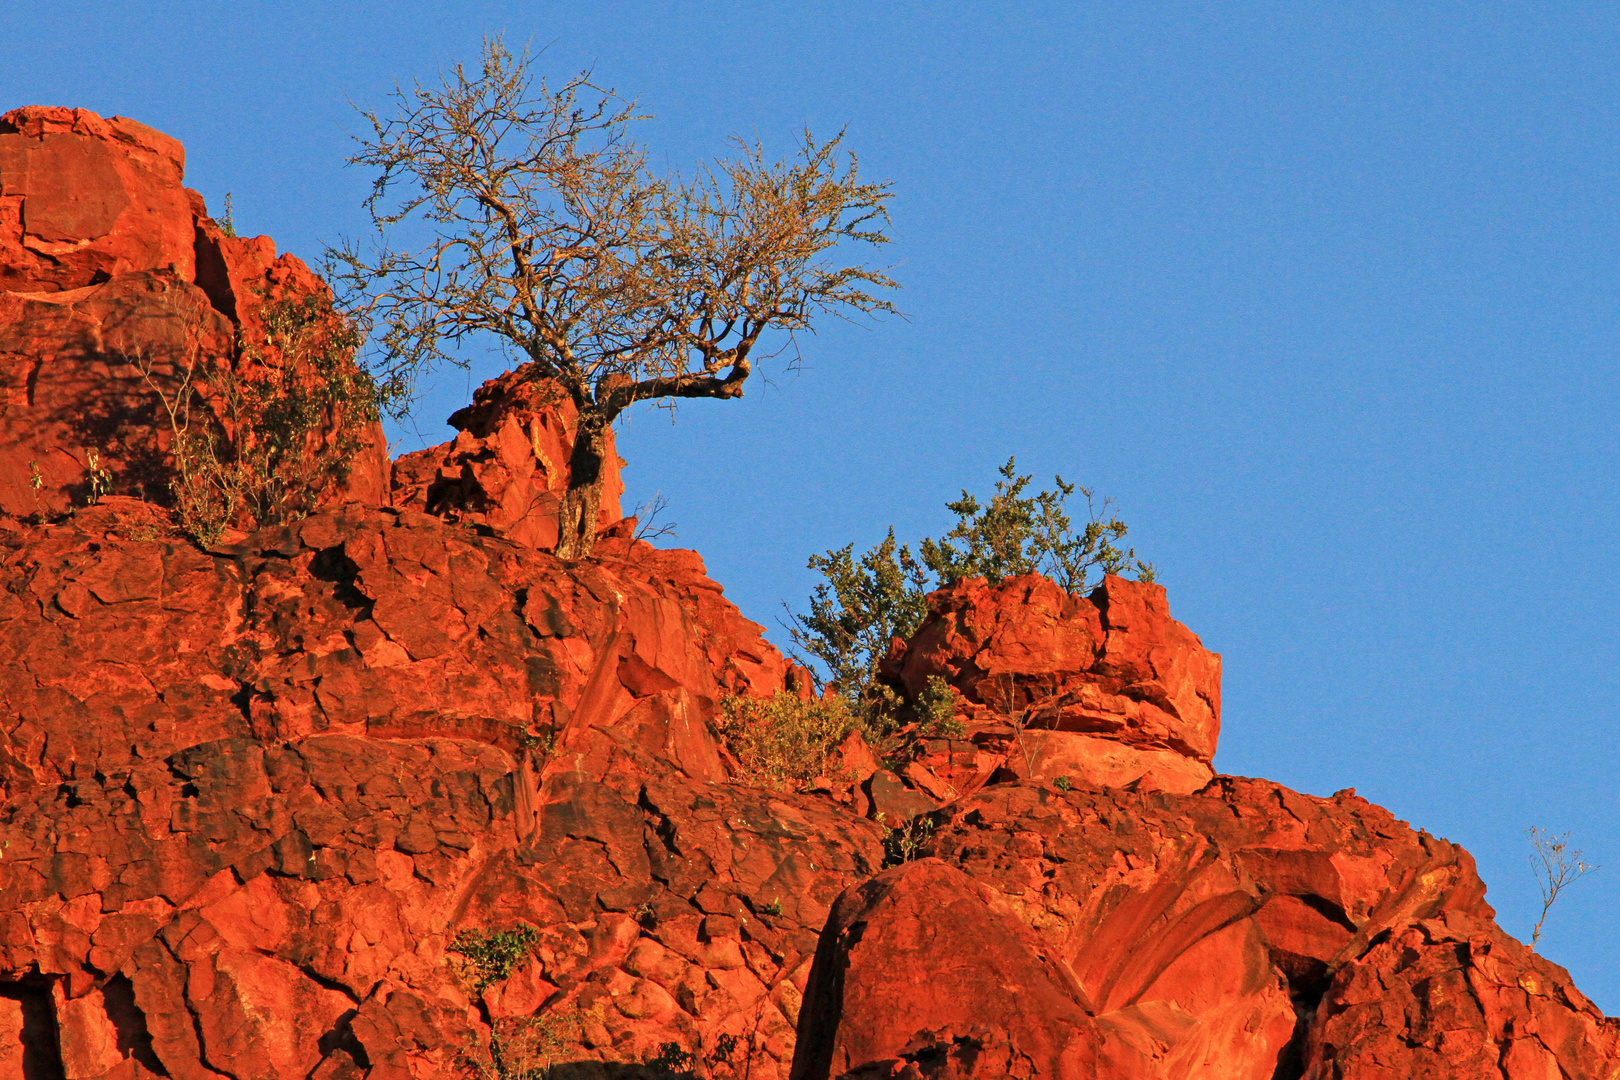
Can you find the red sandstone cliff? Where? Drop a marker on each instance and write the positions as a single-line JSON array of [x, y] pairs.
[[252, 794]]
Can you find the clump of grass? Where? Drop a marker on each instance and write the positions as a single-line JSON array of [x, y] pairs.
[[782, 739]]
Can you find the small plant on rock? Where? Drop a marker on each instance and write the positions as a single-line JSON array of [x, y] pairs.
[[781, 740], [518, 1048], [537, 744], [866, 601], [98, 477], [908, 840], [489, 956], [1557, 866]]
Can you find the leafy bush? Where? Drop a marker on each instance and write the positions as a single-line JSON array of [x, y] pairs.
[[866, 601], [936, 711], [861, 605], [292, 414], [781, 739], [1017, 534], [492, 954]]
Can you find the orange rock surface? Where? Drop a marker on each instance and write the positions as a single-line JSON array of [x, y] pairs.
[[261, 802], [508, 466], [113, 274]]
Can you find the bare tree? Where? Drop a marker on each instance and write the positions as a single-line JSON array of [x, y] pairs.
[[544, 229], [1557, 866]]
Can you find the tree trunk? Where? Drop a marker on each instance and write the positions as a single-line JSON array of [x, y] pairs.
[[582, 503]]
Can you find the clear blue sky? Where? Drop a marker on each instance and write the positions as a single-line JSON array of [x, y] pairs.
[[1325, 295]]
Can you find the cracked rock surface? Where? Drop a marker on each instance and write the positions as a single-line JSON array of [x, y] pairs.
[[273, 808]]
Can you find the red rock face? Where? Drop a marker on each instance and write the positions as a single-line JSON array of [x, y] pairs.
[[109, 266], [268, 784], [508, 467], [1106, 689], [1243, 931], [260, 803], [84, 200]]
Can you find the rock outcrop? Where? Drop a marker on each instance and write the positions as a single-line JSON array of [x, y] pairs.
[[507, 467], [118, 292], [1242, 931], [1106, 689], [392, 792], [266, 786]]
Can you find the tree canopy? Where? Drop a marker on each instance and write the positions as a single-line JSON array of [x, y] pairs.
[[540, 227]]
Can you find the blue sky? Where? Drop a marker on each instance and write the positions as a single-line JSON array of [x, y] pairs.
[[1324, 295]]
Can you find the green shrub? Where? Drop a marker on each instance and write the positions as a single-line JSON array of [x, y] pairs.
[[780, 739], [936, 711], [861, 605], [291, 414], [492, 954], [1017, 534], [866, 601]]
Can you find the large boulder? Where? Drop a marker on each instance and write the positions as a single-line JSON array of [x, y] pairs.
[[924, 948], [1101, 689], [1245, 931], [85, 199]]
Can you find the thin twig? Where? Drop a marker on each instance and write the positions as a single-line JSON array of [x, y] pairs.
[[1557, 866]]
